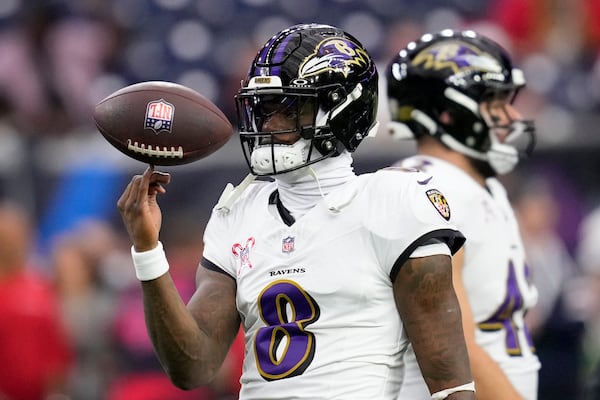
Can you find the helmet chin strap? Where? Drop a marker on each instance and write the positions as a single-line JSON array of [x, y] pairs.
[[501, 157], [352, 96]]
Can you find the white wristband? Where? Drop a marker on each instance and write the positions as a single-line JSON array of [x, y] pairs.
[[150, 264], [442, 394]]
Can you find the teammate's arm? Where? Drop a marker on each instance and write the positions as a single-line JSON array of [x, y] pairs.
[[431, 316], [191, 342], [490, 381]]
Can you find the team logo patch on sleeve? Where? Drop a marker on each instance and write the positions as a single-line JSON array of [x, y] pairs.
[[439, 202]]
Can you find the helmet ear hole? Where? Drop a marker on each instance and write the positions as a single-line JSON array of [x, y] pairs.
[[334, 97]]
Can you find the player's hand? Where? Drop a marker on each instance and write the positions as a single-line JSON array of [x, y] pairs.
[[139, 209]]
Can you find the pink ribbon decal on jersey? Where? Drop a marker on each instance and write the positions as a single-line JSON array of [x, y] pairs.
[[243, 253]]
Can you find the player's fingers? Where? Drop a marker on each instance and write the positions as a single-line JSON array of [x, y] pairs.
[[161, 177], [148, 173], [157, 180], [143, 188], [128, 193]]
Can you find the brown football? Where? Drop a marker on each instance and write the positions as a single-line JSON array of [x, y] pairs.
[[162, 123]]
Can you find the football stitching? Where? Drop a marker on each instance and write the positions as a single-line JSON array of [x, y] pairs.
[[155, 152]]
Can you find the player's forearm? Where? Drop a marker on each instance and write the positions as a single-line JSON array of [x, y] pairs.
[[440, 348], [431, 316], [182, 348], [490, 381]]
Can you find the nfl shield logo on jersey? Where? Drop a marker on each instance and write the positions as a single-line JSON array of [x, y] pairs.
[[287, 244], [439, 202], [159, 116]]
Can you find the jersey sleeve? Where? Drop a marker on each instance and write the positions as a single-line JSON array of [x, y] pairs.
[[217, 254], [224, 225], [433, 249], [409, 211], [214, 255]]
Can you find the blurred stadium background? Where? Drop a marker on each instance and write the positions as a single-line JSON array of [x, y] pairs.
[[60, 57]]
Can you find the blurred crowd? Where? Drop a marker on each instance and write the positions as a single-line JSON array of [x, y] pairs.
[[61, 56], [70, 307], [75, 329]]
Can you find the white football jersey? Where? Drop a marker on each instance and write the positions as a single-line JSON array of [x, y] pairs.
[[495, 276], [316, 297]]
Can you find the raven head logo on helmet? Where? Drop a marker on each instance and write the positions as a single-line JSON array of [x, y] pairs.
[[460, 74], [323, 82]]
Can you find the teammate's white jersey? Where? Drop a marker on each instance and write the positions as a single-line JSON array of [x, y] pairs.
[[316, 297], [495, 276]]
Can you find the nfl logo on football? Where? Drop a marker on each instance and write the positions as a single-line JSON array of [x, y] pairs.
[[287, 244], [159, 116]]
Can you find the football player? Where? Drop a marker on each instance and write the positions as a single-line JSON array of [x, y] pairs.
[[328, 272], [453, 91]]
